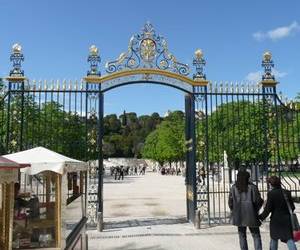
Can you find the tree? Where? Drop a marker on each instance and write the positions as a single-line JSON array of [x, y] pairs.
[[239, 128], [46, 123], [111, 124], [289, 133], [150, 149], [108, 149], [167, 143]]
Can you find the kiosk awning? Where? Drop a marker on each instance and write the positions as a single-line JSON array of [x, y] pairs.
[[42, 159]]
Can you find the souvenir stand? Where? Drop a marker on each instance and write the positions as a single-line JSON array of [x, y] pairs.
[[54, 192], [8, 177]]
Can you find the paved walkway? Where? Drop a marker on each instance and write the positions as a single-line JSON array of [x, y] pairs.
[[148, 213], [147, 195]]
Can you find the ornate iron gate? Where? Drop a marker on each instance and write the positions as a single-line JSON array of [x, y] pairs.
[[228, 125], [61, 115], [243, 126]]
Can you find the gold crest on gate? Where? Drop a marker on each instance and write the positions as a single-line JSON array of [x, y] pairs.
[[148, 50]]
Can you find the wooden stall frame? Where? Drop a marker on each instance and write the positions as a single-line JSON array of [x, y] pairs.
[[8, 211], [58, 219]]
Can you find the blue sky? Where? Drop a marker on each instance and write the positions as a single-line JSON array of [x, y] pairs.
[[55, 36]]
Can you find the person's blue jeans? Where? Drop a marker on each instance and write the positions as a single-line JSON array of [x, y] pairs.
[[255, 235], [290, 243]]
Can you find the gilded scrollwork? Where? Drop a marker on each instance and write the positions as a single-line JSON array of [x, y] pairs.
[[147, 50]]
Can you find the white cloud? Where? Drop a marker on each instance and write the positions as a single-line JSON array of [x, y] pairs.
[[256, 76], [259, 36], [278, 74], [277, 33]]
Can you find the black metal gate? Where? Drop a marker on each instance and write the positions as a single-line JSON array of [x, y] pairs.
[[228, 125], [63, 116], [243, 126]]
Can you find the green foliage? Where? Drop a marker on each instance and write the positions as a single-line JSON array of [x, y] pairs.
[[112, 123], [249, 132], [167, 143], [125, 136], [48, 124], [289, 133], [1, 83], [239, 129]]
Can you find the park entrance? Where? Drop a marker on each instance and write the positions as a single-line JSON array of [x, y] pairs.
[[227, 125]]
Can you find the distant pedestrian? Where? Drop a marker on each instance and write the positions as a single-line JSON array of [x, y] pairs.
[[121, 172], [127, 170], [245, 202], [135, 170], [116, 172], [144, 170], [131, 170], [280, 224], [141, 170]]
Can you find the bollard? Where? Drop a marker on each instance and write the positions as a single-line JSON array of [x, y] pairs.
[[100, 221], [197, 219]]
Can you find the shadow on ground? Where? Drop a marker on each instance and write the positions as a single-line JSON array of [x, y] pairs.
[[108, 179], [143, 222], [133, 246]]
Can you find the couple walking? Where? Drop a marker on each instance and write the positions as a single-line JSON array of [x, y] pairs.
[[245, 202]]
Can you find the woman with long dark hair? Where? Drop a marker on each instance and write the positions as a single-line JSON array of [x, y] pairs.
[[244, 203], [280, 224]]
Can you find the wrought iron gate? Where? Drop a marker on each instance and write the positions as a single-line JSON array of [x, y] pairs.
[[243, 126], [64, 116], [228, 125]]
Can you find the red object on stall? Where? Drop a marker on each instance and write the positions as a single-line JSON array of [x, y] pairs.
[[9, 164]]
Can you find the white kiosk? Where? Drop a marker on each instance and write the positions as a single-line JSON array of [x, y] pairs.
[[51, 213]]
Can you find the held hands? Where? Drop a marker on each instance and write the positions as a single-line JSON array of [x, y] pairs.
[[260, 218]]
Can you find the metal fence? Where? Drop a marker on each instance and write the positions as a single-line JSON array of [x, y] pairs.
[[62, 116], [228, 126], [243, 125]]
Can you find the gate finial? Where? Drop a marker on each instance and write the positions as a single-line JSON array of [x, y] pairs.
[[16, 58], [268, 79], [16, 74], [94, 60], [199, 62]]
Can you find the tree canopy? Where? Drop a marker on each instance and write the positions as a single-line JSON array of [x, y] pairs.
[[248, 132], [167, 142]]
